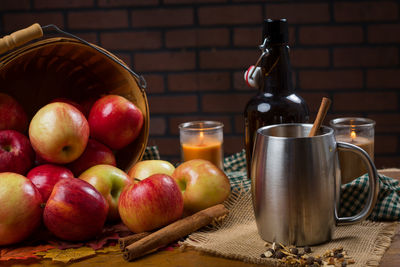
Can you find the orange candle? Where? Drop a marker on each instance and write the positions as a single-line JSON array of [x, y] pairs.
[[202, 140]]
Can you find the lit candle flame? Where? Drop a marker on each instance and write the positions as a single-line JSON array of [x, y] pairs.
[[353, 135], [201, 137]]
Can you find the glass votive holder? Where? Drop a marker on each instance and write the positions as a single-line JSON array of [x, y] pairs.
[[202, 140], [359, 132]]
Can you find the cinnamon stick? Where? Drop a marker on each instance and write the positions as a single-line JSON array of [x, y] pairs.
[[323, 109], [127, 240], [173, 232]]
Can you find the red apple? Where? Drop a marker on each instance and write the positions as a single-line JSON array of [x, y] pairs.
[[12, 115], [68, 101], [75, 210], [59, 133], [203, 184], [44, 177], [20, 211], [95, 153], [109, 181], [115, 121], [16, 153], [151, 203], [146, 168]]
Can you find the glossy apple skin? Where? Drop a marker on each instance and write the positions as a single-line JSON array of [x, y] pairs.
[[16, 153], [68, 101], [109, 181], [146, 168], [75, 210], [119, 114], [12, 114], [95, 153], [44, 177], [202, 183], [151, 203], [20, 211], [59, 133]]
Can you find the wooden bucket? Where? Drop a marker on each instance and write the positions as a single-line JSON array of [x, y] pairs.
[[68, 67]]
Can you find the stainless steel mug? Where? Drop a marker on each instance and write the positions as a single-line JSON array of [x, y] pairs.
[[296, 184]]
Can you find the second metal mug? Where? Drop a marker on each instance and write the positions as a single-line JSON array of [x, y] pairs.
[[296, 184]]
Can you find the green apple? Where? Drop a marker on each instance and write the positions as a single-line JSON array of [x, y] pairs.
[[109, 181], [202, 184], [146, 168]]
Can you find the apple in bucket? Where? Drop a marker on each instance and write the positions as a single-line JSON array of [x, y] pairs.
[[12, 115], [16, 153], [20, 210], [75, 210], [44, 177], [59, 133], [151, 203], [109, 181], [115, 121], [202, 183], [146, 168]]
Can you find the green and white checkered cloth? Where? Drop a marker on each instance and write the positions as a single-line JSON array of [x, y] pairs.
[[353, 194]]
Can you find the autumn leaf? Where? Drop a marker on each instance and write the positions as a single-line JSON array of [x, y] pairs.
[[22, 253], [67, 255]]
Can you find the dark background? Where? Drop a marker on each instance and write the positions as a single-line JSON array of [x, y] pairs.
[[193, 54]]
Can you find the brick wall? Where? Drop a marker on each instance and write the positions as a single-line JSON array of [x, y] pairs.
[[193, 54]]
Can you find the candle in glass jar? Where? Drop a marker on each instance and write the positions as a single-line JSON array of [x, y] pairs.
[[351, 164], [202, 140]]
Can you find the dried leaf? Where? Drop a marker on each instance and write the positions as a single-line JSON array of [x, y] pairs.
[[102, 240], [114, 248], [22, 253], [68, 255]]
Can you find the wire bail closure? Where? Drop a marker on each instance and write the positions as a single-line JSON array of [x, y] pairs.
[[255, 70]]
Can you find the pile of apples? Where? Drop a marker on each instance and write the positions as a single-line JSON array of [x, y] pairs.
[[61, 170]]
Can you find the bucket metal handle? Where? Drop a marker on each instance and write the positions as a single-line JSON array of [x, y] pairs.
[[20, 37], [35, 31]]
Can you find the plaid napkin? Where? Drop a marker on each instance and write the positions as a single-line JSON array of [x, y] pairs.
[[353, 194]]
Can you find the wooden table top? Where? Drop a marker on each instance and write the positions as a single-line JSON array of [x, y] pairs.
[[190, 257]]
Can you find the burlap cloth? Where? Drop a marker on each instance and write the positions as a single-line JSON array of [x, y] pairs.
[[236, 237]]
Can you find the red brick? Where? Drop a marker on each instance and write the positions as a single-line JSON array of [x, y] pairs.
[[239, 124], [162, 17], [247, 36], [167, 146], [15, 5], [131, 40], [43, 4], [384, 33], [175, 121], [197, 38], [382, 162], [98, 19], [310, 57], [217, 81], [382, 101], [313, 101], [172, 104], [239, 82], [299, 13], [90, 37], [381, 78], [193, 1], [233, 144], [386, 123], [228, 15], [315, 35], [125, 57], [121, 3], [222, 59], [158, 126], [17, 21], [365, 11], [155, 83], [224, 102], [331, 79], [165, 61], [386, 144], [365, 56]]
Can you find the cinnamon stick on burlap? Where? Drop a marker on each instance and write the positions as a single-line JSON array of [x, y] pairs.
[[173, 232], [127, 240]]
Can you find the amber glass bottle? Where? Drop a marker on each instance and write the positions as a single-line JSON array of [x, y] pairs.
[[276, 101]]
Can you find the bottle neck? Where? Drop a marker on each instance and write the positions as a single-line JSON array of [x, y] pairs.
[[276, 75]]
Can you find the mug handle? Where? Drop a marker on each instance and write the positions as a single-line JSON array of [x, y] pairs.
[[373, 185]]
